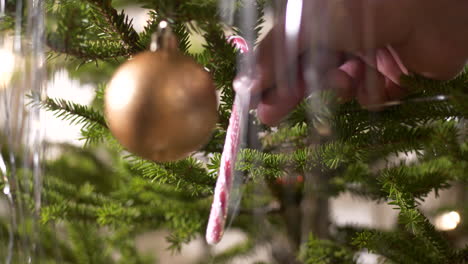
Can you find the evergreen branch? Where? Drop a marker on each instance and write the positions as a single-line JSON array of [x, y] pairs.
[[90, 51], [329, 156], [86, 194], [350, 119], [83, 32], [358, 179], [147, 192], [349, 160], [65, 202], [157, 214], [380, 138], [375, 143], [274, 165], [419, 225], [95, 133], [222, 67], [420, 179], [240, 250], [414, 221], [184, 227], [317, 251], [187, 174], [62, 210], [73, 112], [162, 214], [100, 94], [398, 247], [462, 255], [94, 128], [216, 142], [50, 244], [8, 23], [179, 29], [119, 24], [185, 11], [123, 239], [425, 87], [262, 165], [260, 6], [108, 214], [89, 248], [183, 37], [285, 134]]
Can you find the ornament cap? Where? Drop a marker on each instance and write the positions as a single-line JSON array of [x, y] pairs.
[[164, 39]]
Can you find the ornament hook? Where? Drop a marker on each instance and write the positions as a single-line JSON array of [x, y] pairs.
[[163, 38]]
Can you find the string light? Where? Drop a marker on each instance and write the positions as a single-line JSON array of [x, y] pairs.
[[447, 221]]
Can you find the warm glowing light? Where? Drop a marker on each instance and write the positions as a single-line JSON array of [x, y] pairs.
[[7, 67], [6, 190], [293, 18], [447, 221], [163, 24], [3, 168], [2, 8], [121, 90]]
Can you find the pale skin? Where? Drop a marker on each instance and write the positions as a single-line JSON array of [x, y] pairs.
[[367, 45]]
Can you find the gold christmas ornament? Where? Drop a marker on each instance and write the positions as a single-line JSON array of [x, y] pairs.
[[161, 105]]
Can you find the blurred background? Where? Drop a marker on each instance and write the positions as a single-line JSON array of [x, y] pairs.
[[78, 83]]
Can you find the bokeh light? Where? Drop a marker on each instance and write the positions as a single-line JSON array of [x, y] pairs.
[[447, 221], [7, 66]]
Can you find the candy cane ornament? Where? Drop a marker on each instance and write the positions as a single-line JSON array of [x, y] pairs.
[[219, 207], [239, 42]]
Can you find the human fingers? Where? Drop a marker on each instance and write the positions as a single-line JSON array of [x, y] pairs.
[[345, 79], [388, 63], [364, 82], [276, 104], [276, 62], [280, 83], [342, 25]]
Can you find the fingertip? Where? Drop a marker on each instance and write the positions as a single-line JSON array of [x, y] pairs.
[[268, 115], [393, 90], [272, 114], [390, 65], [341, 83], [371, 93], [276, 105]]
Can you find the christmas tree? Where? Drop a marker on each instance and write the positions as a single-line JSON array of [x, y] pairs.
[[96, 200]]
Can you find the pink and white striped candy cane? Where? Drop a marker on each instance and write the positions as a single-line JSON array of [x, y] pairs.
[[239, 42], [219, 208]]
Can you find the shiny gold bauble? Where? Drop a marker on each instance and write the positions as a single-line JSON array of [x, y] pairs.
[[161, 105]]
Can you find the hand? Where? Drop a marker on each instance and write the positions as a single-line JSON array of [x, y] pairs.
[[362, 47]]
